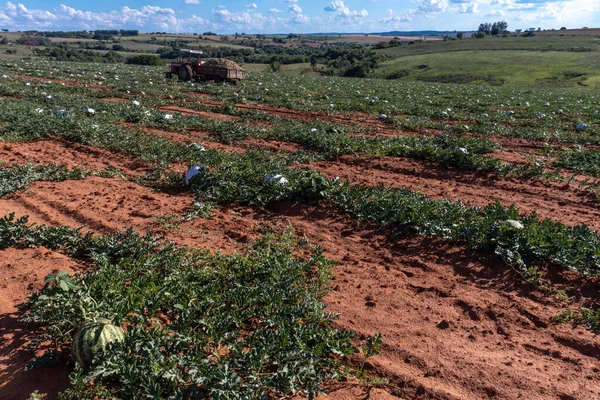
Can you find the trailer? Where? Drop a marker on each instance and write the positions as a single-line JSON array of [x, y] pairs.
[[190, 69]]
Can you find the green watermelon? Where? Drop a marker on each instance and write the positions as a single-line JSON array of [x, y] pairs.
[[92, 338]]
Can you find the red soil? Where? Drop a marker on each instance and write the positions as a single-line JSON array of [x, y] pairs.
[[557, 201], [115, 99], [71, 154], [22, 271], [455, 324], [204, 114]]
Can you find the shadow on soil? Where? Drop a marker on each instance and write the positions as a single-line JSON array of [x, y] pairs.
[[15, 382]]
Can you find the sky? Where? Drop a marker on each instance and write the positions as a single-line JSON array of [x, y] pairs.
[[295, 16]]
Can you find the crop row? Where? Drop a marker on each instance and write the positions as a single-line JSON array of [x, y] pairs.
[[198, 324], [325, 140], [16, 177], [538, 114]]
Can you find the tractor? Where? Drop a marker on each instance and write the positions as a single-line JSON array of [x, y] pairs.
[[212, 70]]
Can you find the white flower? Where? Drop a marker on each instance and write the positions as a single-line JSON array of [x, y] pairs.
[[581, 126], [382, 116], [313, 130], [27, 84], [90, 111], [39, 110], [62, 111], [462, 150], [135, 103], [510, 112], [166, 116], [559, 111]]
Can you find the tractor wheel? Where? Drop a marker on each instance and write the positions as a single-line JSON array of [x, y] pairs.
[[191, 72], [185, 73]]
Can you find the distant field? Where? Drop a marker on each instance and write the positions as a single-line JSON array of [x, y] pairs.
[[291, 69], [510, 67], [148, 47], [207, 41], [548, 59], [22, 51], [539, 43], [576, 32], [70, 40], [363, 39]]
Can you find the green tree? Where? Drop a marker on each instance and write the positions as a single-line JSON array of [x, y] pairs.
[[275, 66]]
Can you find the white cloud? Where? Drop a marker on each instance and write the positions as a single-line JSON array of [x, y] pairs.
[[338, 8], [495, 13], [396, 19], [468, 8], [289, 16], [301, 19], [295, 8], [432, 6]]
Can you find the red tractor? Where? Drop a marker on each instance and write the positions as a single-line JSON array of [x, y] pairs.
[[212, 70]]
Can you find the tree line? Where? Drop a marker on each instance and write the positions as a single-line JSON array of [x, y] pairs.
[[494, 28]]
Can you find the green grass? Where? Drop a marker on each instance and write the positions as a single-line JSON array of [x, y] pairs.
[[535, 43], [523, 68], [288, 69], [544, 61]]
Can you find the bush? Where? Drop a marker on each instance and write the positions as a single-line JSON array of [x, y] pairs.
[[145, 59], [398, 74]]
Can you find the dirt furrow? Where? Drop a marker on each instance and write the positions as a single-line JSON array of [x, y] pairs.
[[73, 155], [552, 200], [204, 114], [22, 271], [455, 325]]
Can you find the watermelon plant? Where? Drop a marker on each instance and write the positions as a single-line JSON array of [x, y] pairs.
[[198, 324], [17, 177]]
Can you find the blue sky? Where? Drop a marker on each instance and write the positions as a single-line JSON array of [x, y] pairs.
[[298, 16]]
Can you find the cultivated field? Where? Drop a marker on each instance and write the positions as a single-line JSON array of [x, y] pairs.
[[458, 221]]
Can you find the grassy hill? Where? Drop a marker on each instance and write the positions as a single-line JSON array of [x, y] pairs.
[[562, 61]]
